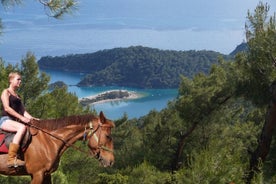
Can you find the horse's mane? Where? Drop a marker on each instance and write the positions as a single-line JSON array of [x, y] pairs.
[[53, 124]]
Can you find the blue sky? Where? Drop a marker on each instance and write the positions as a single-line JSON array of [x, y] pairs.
[[104, 24]]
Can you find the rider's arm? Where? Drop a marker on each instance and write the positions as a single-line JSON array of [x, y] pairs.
[[27, 115]]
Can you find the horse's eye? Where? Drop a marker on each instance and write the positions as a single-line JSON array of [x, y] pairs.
[[109, 137]]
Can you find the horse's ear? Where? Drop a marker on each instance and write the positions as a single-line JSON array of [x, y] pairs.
[[106, 121], [102, 117]]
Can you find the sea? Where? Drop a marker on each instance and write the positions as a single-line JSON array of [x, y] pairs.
[[152, 99]]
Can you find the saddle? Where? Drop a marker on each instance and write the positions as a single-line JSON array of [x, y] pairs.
[[7, 137]]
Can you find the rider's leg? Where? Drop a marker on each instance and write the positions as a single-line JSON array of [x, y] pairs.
[[20, 129]]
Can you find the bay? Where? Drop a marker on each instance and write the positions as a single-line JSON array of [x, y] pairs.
[[153, 99]]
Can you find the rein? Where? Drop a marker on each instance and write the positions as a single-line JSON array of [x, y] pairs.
[[59, 138], [71, 144]]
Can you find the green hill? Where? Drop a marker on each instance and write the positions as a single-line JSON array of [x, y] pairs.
[[134, 66]]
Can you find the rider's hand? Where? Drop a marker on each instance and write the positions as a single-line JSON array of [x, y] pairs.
[[35, 118], [25, 120]]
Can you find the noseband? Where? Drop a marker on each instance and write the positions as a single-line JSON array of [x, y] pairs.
[[90, 131]]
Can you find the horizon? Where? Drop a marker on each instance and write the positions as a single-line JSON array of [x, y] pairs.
[[100, 24]]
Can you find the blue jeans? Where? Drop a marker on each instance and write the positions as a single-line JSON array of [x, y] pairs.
[[3, 119]]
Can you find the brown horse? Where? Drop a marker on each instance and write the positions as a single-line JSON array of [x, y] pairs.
[[50, 138]]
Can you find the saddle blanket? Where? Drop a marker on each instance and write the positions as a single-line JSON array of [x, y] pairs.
[[7, 137], [3, 147]]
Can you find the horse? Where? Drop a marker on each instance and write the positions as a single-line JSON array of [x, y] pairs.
[[51, 137]]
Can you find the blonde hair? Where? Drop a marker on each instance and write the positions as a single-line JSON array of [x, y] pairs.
[[12, 75]]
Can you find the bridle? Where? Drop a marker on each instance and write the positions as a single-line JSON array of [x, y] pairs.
[[90, 131]]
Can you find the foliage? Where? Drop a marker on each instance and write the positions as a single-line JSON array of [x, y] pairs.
[[223, 160], [4, 72], [57, 8], [160, 135], [78, 167], [53, 8], [117, 178], [59, 177], [58, 84], [206, 92], [128, 143], [13, 179], [57, 103], [258, 65], [33, 83], [147, 174]]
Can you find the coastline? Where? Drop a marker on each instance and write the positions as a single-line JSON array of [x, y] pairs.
[[102, 97]]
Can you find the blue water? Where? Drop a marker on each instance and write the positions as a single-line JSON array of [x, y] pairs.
[[153, 99]]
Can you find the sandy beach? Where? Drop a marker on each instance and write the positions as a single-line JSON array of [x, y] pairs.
[[103, 97]]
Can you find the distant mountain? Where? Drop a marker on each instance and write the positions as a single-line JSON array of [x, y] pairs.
[[243, 47], [134, 66]]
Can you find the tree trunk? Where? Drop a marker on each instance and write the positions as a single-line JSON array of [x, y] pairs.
[[176, 164], [218, 101], [262, 150]]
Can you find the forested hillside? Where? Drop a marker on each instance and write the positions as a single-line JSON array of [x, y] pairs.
[[137, 66]]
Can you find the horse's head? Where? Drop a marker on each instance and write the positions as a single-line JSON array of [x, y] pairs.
[[100, 141]]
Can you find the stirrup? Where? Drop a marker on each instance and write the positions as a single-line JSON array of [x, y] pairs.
[[15, 163]]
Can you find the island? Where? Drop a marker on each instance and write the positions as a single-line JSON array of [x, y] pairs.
[[111, 95], [134, 66], [57, 84]]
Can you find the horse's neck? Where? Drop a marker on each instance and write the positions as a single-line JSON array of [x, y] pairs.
[[70, 134]]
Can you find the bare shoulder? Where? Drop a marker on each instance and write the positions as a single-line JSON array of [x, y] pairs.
[[5, 92]]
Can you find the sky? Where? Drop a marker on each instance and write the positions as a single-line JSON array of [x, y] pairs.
[[216, 25]]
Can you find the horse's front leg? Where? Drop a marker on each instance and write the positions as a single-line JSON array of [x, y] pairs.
[[41, 178], [47, 179]]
